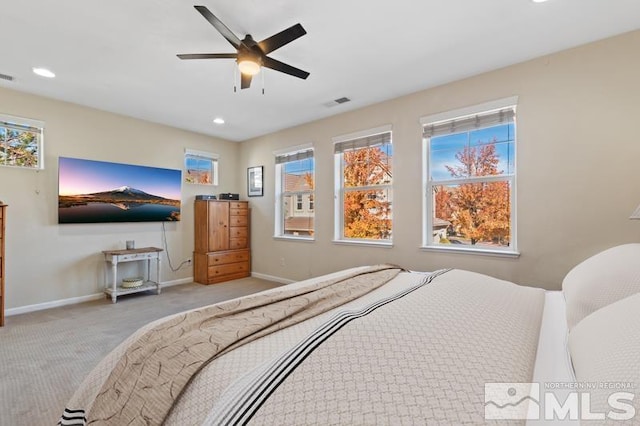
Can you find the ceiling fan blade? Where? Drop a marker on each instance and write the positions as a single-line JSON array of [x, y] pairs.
[[245, 81], [276, 41], [282, 67], [208, 56], [222, 28]]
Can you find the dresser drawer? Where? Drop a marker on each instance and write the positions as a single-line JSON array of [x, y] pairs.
[[238, 205], [238, 232], [238, 212], [231, 268], [238, 220], [237, 243], [221, 259]]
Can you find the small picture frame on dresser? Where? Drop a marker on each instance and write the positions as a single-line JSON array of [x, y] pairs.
[[254, 181]]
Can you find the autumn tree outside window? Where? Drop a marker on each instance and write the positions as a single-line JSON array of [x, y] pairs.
[[364, 192], [21, 142], [470, 182], [295, 185]]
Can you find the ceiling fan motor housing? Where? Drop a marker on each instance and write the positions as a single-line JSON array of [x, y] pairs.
[[249, 51]]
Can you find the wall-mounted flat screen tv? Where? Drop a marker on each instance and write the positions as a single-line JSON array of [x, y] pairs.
[[98, 191]]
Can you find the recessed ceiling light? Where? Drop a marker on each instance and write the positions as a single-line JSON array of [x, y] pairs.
[[43, 72], [218, 120]]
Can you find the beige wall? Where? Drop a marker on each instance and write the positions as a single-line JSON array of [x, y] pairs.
[[577, 159], [49, 262]]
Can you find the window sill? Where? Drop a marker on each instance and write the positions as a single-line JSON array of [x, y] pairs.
[[364, 243], [475, 251], [292, 238]]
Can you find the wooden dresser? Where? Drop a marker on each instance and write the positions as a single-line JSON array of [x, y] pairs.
[[222, 246], [3, 218]]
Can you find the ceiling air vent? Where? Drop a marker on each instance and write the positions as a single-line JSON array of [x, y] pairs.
[[338, 101], [6, 77]]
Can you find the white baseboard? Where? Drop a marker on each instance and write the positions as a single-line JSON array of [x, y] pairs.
[[52, 304], [187, 280], [272, 278], [80, 299]]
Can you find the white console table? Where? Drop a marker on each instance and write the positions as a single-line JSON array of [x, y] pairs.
[[114, 257]]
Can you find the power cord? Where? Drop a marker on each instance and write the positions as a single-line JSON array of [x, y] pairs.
[[166, 249]]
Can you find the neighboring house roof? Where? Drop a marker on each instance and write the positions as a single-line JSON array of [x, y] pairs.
[[298, 224], [295, 183], [440, 223]]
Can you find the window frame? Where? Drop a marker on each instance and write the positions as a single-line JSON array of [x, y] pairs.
[[280, 193], [202, 155], [340, 190], [25, 124], [428, 206]]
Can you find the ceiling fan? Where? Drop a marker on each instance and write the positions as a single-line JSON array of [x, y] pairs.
[[251, 55]]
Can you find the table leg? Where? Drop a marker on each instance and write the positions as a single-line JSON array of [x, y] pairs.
[[114, 283], [158, 272]]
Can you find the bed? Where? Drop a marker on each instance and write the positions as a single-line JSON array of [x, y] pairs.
[[383, 345]]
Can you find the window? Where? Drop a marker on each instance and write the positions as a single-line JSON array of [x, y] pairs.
[[21, 142], [364, 193], [470, 181], [294, 189], [201, 167]]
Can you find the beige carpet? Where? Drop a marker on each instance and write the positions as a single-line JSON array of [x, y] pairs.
[[45, 355]]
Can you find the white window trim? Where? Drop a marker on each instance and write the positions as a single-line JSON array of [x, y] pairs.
[[278, 231], [362, 133], [368, 243], [474, 251], [427, 206], [30, 123], [470, 110], [339, 190], [294, 238], [293, 149], [207, 155]]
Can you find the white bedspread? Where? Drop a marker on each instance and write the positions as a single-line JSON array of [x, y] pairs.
[[423, 358]]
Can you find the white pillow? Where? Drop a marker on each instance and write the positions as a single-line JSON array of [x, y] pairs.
[[600, 280], [605, 351]]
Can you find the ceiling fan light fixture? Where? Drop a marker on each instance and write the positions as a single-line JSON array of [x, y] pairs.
[[248, 66]]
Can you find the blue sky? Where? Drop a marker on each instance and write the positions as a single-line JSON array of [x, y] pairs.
[[78, 176], [443, 149], [200, 164], [299, 167]]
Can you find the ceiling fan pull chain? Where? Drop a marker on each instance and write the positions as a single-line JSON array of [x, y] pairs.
[[235, 79], [262, 82]]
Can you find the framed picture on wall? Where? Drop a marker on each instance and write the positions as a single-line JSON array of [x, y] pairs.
[[254, 181]]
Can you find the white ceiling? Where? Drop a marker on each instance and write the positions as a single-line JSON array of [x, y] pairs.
[[120, 55]]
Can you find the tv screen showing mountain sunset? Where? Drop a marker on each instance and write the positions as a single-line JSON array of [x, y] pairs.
[[97, 191]]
